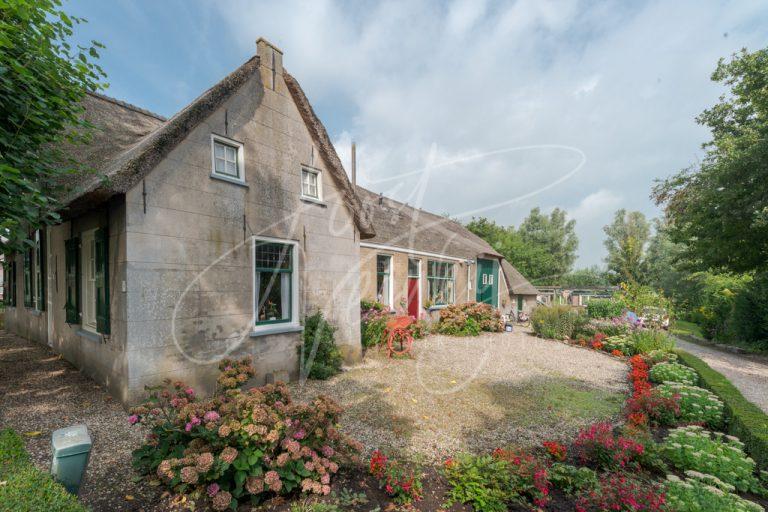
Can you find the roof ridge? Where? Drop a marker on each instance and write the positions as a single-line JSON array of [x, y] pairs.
[[127, 105]]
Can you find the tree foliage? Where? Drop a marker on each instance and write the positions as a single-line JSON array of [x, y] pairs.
[[43, 79], [719, 209], [626, 239], [592, 276], [543, 248]]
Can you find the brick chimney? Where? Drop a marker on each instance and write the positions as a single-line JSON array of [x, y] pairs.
[[271, 58]]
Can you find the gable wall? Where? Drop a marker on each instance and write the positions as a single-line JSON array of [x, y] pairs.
[[193, 221]]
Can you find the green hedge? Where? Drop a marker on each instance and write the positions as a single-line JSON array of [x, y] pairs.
[[26, 488], [745, 420]]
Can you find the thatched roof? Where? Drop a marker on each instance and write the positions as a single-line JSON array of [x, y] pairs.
[[406, 227], [128, 142], [399, 225], [515, 280]]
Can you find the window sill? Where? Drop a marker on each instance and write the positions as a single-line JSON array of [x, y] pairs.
[[89, 335], [312, 200], [436, 308], [275, 329], [233, 181]]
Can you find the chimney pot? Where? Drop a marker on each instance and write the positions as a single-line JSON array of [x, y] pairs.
[[271, 57], [353, 166]]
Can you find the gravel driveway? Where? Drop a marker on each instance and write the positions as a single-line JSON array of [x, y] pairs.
[[748, 373], [474, 394], [40, 392]]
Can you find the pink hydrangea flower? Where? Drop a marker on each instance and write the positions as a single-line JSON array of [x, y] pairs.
[[299, 434], [133, 419], [211, 416], [213, 489], [190, 392]]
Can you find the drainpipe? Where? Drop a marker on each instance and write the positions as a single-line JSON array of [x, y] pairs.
[[353, 167], [469, 279]]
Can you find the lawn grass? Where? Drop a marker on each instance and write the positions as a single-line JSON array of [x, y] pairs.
[[686, 328]]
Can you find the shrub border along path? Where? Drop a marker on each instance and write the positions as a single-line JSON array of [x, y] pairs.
[[744, 419]]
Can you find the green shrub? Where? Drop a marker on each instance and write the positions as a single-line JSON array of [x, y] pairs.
[[646, 340], [705, 493], [469, 319], [750, 313], [712, 453], [697, 405], [744, 419], [319, 350], [483, 482], [673, 372], [373, 322], [557, 322], [622, 343], [419, 329], [24, 488], [660, 356], [571, 479], [604, 308]]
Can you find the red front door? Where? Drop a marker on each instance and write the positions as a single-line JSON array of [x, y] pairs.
[[413, 297]]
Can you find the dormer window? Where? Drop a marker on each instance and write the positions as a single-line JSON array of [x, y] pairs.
[[311, 184], [227, 159]]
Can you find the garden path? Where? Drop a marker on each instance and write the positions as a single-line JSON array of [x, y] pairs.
[[40, 392], [748, 373]]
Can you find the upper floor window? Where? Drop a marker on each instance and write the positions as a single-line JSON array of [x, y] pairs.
[[227, 156], [311, 183]]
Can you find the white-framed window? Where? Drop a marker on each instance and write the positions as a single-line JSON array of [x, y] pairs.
[[384, 279], [88, 284], [312, 183], [275, 282], [441, 283], [227, 158]]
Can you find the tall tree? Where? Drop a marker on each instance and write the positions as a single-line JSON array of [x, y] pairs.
[[592, 276], [542, 249], [626, 240], [719, 209], [43, 79]]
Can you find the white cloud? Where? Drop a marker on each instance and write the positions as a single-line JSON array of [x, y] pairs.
[[620, 81]]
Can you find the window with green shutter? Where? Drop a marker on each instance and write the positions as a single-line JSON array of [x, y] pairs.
[[28, 259], [72, 268], [102, 280]]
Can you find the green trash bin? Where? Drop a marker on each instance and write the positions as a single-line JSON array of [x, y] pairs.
[[71, 449]]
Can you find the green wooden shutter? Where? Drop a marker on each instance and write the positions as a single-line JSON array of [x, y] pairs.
[[28, 278], [72, 266], [102, 280], [40, 289]]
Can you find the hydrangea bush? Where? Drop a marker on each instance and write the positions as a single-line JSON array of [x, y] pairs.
[[705, 493], [674, 372], [697, 405], [713, 453], [240, 445], [469, 319]]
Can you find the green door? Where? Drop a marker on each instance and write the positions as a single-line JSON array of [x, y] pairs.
[[488, 282]]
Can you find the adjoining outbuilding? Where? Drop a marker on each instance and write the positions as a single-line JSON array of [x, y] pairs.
[[419, 262]]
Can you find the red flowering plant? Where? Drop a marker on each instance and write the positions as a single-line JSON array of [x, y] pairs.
[[652, 408], [597, 445], [617, 353], [597, 341], [620, 492], [555, 450], [530, 477], [403, 484], [240, 445]]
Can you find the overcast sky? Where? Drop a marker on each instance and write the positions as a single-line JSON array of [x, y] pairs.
[[465, 107]]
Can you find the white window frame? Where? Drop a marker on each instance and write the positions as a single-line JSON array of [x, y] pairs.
[[88, 280], [390, 278], [293, 323], [238, 146], [319, 176]]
